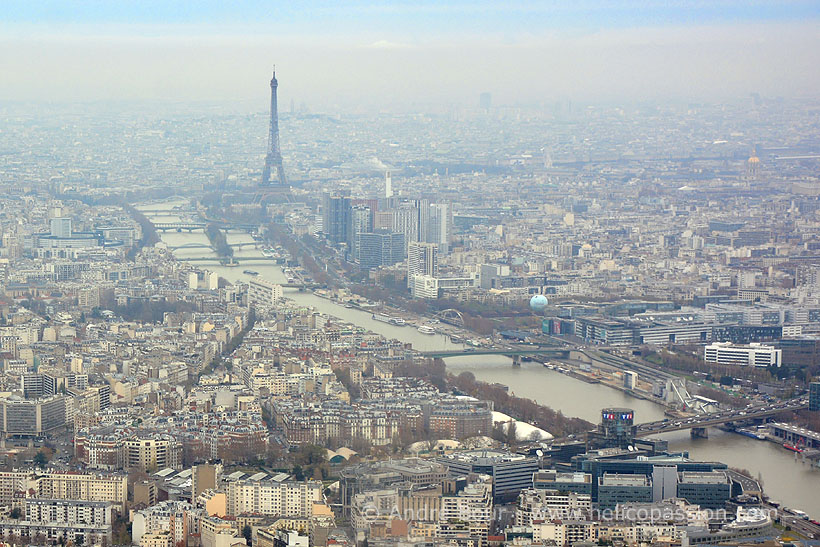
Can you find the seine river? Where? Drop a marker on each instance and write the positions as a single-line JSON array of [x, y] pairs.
[[785, 477]]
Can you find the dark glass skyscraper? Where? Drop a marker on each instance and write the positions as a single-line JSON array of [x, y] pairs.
[[814, 396], [336, 212]]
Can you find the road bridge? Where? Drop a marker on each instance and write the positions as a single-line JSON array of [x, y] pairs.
[[232, 227], [236, 259], [208, 246], [558, 353], [703, 421], [165, 212], [300, 286], [190, 246], [190, 225], [178, 226]]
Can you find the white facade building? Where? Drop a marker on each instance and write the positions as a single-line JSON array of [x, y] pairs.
[[468, 512], [422, 259], [757, 355], [427, 286], [263, 293], [539, 505]]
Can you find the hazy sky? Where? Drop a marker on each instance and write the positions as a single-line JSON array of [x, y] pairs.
[[397, 54]]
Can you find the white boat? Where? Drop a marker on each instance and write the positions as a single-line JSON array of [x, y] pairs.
[[398, 321], [381, 317], [426, 329]]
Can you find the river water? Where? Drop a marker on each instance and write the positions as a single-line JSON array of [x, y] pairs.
[[785, 477]]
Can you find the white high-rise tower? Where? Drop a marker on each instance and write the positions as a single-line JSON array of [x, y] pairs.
[[388, 185]]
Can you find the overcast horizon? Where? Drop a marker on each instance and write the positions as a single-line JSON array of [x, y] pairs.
[[395, 55]]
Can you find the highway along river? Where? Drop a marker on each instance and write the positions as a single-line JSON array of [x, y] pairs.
[[785, 477]]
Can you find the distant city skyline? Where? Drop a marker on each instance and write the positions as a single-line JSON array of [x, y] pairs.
[[397, 55]]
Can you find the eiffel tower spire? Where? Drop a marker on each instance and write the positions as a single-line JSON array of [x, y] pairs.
[[273, 159]]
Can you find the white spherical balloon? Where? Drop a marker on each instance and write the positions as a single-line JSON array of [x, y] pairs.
[[538, 303]]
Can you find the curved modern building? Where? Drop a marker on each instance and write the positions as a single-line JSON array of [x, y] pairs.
[[616, 430]]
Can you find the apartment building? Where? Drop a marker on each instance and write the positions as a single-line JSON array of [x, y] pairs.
[[216, 532], [157, 539], [468, 514], [111, 448], [263, 293], [152, 453], [62, 521], [111, 488], [543, 504], [74, 511], [179, 518], [273, 498]]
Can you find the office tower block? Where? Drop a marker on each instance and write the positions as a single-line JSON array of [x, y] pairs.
[[422, 259], [406, 221], [360, 222], [61, 227], [380, 248], [388, 185], [440, 226], [383, 220], [335, 217]]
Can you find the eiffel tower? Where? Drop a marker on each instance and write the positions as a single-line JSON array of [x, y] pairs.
[[273, 159]]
